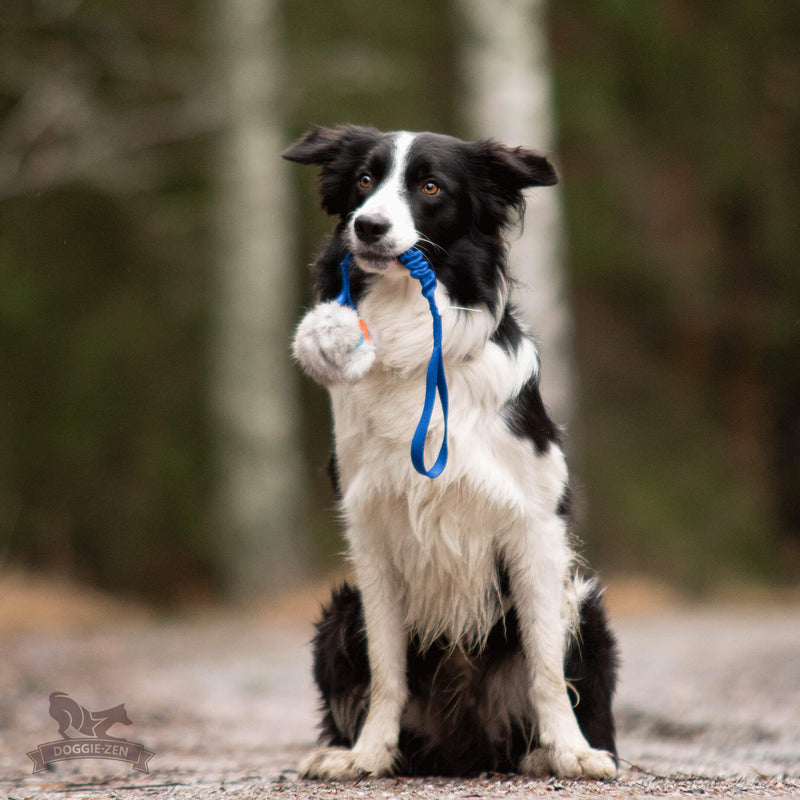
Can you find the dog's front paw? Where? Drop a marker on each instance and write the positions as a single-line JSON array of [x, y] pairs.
[[330, 345], [342, 764], [567, 763]]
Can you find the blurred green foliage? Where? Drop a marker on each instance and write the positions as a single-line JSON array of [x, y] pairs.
[[679, 131], [105, 468], [679, 125]]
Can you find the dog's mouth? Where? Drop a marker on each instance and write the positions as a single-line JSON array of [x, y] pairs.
[[375, 260]]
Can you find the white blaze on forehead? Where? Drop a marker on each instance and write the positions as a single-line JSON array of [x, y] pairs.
[[395, 181], [390, 200]]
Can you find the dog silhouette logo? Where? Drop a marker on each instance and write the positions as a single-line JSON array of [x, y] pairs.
[[76, 722], [84, 734]]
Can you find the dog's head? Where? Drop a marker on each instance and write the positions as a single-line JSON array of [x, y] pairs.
[[396, 190]]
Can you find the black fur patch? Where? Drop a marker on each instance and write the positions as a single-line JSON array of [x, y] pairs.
[[508, 335], [328, 274], [528, 418], [333, 474]]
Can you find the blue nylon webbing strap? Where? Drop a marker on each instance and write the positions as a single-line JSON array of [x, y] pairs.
[[435, 382]]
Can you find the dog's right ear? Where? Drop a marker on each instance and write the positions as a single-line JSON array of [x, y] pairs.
[[316, 146], [339, 151]]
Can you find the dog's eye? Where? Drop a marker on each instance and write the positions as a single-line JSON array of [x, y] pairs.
[[430, 188], [365, 181]]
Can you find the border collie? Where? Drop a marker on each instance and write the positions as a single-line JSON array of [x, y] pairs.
[[471, 643]]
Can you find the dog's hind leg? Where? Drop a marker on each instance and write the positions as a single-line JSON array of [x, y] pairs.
[[590, 667], [341, 668]]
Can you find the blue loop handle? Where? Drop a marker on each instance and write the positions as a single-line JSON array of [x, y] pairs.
[[415, 262], [435, 380]]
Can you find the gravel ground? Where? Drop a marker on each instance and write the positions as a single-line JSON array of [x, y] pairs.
[[709, 704]]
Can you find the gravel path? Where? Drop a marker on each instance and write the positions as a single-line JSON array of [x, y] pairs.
[[709, 704]]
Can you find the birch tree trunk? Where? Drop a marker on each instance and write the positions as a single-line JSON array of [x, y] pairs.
[[509, 98], [261, 481]]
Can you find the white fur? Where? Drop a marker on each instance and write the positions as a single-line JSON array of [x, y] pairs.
[[425, 551]]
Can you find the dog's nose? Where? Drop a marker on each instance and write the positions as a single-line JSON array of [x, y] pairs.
[[370, 229]]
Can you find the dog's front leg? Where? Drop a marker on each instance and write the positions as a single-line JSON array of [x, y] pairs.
[[375, 751], [538, 568]]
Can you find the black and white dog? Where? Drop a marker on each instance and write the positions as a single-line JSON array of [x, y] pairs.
[[470, 644]]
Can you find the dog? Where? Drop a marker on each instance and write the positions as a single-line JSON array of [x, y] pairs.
[[470, 643]]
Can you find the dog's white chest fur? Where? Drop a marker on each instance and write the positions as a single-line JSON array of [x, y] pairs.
[[439, 538]]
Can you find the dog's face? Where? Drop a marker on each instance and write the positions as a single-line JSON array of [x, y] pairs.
[[396, 190]]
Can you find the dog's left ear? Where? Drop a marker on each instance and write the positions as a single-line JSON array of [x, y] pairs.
[[514, 168], [502, 173]]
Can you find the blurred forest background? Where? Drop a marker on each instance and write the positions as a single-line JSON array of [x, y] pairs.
[[155, 438]]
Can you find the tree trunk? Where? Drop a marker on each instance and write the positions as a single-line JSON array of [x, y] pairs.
[[261, 472], [508, 83]]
